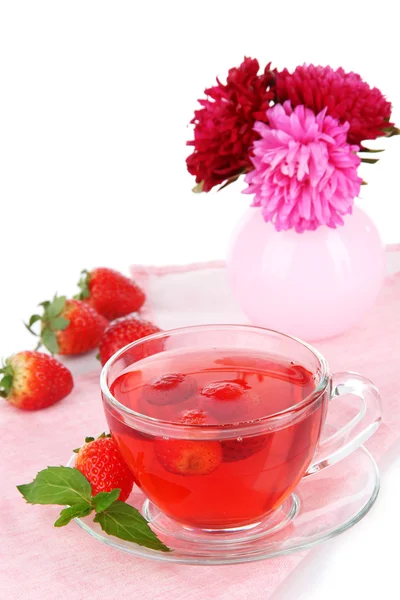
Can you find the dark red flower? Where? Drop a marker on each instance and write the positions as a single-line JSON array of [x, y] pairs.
[[346, 96], [223, 127]]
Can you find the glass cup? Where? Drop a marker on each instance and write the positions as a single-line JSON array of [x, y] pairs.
[[244, 422]]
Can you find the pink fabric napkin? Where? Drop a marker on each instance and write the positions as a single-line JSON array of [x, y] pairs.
[[39, 561]]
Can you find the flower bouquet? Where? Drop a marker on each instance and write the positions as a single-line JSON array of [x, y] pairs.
[[298, 138]]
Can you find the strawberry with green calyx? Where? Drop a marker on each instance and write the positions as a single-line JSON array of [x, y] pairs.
[[110, 293], [32, 380], [67, 486], [122, 332], [103, 466], [68, 326]]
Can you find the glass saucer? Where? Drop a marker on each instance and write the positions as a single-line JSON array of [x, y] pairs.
[[324, 505]]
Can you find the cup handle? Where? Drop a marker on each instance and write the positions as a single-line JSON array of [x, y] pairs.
[[354, 433]]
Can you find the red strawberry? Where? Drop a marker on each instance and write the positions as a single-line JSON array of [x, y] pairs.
[[33, 380], [196, 416], [231, 401], [68, 326], [171, 388], [101, 463], [225, 391], [241, 448], [112, 294], [188, 457], [124, 331]]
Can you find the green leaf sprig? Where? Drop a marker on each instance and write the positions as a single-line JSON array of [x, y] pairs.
[[68, 487]]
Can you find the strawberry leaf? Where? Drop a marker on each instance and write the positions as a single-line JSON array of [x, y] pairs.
[[59, 323], [55, 307], [49, 340], [77, 510], [83, 285], [57, 485], [6, 381], [91, 439], [103, 500], [6, 385], [33, 319], [103, 435], [125, 522]]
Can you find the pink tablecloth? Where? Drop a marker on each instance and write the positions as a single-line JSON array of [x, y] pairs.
[[39, 561]]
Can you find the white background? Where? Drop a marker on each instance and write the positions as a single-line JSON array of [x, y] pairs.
[[94, 105]]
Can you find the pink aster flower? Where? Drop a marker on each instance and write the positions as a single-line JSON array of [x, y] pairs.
[[305, 172]]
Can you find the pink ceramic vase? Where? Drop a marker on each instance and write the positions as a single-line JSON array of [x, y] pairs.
[[312, 285]]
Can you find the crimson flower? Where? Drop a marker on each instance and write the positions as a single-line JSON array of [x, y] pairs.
[[223, 127], [345, 95]]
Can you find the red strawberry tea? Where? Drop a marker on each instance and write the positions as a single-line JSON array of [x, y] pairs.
[[216, 483]]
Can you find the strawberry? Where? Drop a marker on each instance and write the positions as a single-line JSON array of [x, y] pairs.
[[33, 380], [170, 388], [196, 416], [68, 326], [241, 448], [232, 450], [110, 293], [101, 463], [231, 401], [188, 457], [124, 331]]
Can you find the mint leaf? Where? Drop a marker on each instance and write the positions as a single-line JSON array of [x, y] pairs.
[[59, 323], [57, 485], [103, 500], [77, 510], [125, 522], [49, 340], [56, 306]]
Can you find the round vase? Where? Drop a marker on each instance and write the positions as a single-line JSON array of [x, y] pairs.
[[312, 285]]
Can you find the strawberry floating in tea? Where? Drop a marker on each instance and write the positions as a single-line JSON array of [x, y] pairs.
[[242, 448], [187, 457], [232, 401], [197, 417], [171, 388]]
